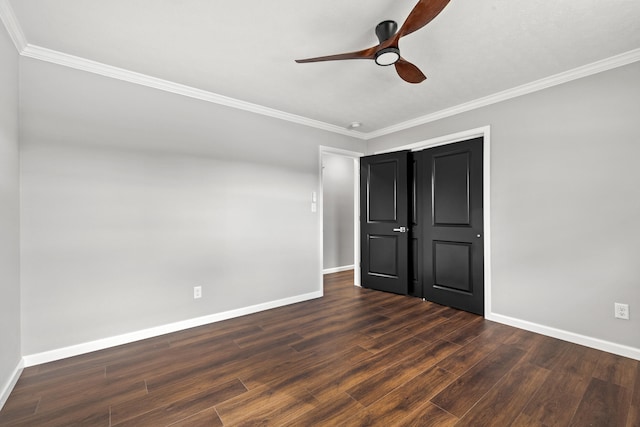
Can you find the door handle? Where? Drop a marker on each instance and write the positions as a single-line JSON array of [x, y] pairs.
[[400, 230]]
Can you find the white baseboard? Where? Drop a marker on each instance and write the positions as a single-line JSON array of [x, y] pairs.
[[610, 347], [101, 344], [337, 269], [7, 388]]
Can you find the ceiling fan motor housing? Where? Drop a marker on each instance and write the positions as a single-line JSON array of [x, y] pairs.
[[389, 55], [385, 30]]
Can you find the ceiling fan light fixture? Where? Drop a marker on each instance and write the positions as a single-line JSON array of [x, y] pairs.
[[387, 56], [387, 52]]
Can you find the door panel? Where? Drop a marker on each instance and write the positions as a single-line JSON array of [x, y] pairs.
[[451, 189], [453, 244], [383, 179], [451, 266], [382, 253], [385, 208]]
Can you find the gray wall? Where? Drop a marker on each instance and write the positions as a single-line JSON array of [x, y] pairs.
[[9, 212], [338, 199], [565, 202], [132, 196]]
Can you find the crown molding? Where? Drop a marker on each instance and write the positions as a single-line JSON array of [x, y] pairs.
[[544, 83], [8, 18], [56, 57], [78, 63]]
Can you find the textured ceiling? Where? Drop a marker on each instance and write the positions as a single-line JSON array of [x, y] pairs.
[[246, 50]]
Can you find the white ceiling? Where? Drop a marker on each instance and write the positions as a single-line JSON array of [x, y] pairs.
[[246, 50]]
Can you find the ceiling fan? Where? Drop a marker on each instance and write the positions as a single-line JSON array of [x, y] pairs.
[[387, 51]]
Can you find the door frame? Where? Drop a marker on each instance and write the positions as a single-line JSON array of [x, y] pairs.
[[485, 133], [355, 156]]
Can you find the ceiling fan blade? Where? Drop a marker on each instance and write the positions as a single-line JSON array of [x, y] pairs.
[[409, 72], [423, 13], [361, 54]]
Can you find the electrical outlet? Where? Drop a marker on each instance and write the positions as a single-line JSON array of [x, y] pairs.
[[197, 292], [621, 311]]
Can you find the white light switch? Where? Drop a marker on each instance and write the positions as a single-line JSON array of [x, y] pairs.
[[314, 207]]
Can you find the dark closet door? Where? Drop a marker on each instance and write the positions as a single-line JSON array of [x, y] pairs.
[[452, 226], [384, 211]]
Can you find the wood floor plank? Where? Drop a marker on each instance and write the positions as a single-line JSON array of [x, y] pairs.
[[213, 333], [207, 418], [254, 370], [617, 370], [266, 338], [633, 418], [265, 406], [463, 393], [415, 311], [79, 413], [176, 411], [334, 412], [458, 320], [604, 404], [547, 352], [337, 332], [251, 359], [400, 403], [429, 415], [635, 401], [556, 401], [385, 327], [301, 373], [504, 403], [51, 380], [325, 387], [380, 384], [156, 406], [476, 350], [198, 372], [524, 340], [578, 360], [178, 358], [317, 319], [104, 393], [384, 341], [468, 332], [14, 411], [428, 323], [260, 374]]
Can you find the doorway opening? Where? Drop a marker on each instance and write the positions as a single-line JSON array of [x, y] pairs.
[[339, 223]]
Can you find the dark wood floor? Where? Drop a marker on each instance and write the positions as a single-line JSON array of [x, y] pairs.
[[353, 358]]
